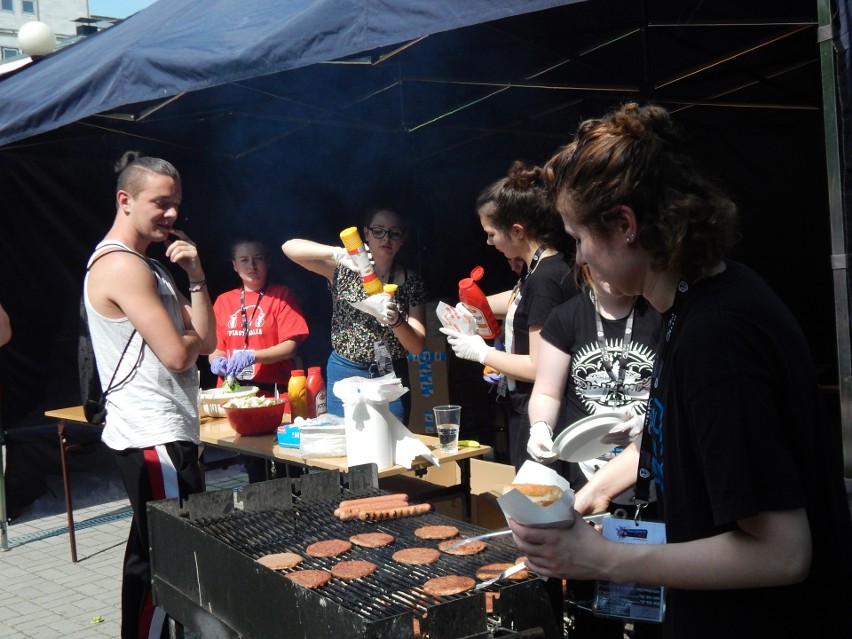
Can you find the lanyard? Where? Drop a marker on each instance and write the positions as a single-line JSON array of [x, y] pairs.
[[625, 347], [248, 320], [645, 471], [516, 292]]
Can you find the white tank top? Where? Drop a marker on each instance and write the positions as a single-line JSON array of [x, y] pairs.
[[154, 405]]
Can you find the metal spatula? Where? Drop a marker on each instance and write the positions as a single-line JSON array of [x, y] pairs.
[[511, 570]]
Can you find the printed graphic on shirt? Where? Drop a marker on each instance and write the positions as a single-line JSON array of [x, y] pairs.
[[598, 391], [256, 319]]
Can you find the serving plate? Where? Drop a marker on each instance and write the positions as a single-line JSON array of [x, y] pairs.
[[581, 440], [210, 401]]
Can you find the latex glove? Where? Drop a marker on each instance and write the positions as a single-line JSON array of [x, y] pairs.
[[219, 366], [540, 444], [491, 375], [622, 434], [342, 258], [240, 361], [470, 347], [390, 315], [375, 305]]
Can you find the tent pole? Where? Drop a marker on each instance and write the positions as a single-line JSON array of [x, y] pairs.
[[839, 256]]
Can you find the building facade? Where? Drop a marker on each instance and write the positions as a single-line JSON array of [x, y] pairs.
[[69, 19]]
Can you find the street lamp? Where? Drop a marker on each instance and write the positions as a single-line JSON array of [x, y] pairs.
[[36, 39]]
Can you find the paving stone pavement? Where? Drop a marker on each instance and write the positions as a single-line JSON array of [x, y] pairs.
[[43, 595]]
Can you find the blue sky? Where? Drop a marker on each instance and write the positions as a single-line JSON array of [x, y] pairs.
[[117, 8]]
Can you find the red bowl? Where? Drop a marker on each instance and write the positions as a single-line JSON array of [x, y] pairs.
[[258, 420]]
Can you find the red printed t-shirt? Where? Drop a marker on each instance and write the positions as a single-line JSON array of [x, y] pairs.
[[279, 318]]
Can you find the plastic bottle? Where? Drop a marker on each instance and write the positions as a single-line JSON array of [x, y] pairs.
[[296, 390], [315, 393], [474, 300], [355, 247]]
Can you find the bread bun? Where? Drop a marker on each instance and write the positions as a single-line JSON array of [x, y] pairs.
[[539, 494]]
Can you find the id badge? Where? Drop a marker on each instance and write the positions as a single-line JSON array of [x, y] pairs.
[[631, 601]]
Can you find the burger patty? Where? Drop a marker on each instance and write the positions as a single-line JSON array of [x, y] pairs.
[[436, 532], [372, 539], [448, 585], [470, 548], [310, 578], [281, 560], [354, 569], [329, 548], [416, 556]]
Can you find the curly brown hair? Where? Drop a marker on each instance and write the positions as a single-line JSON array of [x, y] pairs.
[[635, 157]]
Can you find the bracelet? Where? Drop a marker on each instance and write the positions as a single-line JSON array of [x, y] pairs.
[[398, 322], [197, 287]]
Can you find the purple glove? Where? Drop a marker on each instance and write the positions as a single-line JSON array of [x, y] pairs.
[[219, 366], [239, 361]]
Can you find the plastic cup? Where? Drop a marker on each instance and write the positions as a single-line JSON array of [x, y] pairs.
[[447, 420]]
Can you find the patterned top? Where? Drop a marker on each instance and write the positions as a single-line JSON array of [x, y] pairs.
[[353, 332]]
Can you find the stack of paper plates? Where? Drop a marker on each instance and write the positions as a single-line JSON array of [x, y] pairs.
[[581, 440]]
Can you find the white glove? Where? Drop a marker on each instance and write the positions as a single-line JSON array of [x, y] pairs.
[[342, 258], [390, 315], [376, 305], [622, 434], [540, 445], [470, 347]]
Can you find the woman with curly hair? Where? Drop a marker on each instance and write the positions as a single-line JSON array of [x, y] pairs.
[[747, 467]]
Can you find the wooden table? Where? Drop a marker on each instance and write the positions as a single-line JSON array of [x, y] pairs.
[[217, 432]]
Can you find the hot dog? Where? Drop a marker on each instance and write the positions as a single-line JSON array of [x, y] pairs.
[[346, 514], [363, 501], [393, 513]]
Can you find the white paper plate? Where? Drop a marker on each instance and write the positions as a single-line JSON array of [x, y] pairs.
[[581, 440]]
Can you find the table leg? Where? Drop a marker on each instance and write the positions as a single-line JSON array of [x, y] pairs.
[[66, 482], [4, 524], [464, 470]]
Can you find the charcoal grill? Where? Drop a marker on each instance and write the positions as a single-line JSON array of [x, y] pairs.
[[206, 577]]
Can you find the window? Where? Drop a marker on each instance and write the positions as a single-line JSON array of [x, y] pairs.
[[6, 5], [9, 52], [29, 6]]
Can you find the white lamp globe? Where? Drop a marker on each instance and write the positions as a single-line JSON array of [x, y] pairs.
[[36, 38]]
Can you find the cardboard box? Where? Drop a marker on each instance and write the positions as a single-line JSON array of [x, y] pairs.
[[429, 387], [487, 480], [448, 474]]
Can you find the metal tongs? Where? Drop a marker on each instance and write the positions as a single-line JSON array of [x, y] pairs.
[[591, 519]]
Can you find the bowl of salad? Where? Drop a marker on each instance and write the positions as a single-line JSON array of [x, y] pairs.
[[254, 415], [210, 401]]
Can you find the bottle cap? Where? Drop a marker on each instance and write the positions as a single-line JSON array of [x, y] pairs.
[[351, 238], [390, 289], [297, 372], [477, 273], [314, 369]]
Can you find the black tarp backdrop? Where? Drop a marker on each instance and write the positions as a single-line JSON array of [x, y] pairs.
[[302, 153]]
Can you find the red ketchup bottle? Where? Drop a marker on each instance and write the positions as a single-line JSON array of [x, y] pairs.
[[474, 300], [315, 393]]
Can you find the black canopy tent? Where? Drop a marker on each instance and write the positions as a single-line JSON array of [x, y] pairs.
[[289, 118]]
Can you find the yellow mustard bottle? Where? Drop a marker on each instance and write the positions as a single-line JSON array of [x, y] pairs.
[[355, 247], [296, 394]]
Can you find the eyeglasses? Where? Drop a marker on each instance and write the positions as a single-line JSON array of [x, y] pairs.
[[379, 233]]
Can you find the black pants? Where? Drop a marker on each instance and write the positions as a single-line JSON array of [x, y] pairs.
[[161, 472]]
